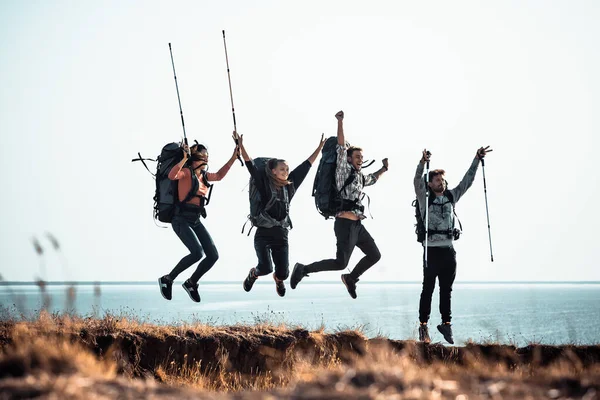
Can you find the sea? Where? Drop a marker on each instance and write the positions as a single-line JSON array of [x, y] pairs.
[[515, 313]]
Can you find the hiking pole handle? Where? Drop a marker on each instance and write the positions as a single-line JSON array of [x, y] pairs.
[[239, 157], [178, 98]]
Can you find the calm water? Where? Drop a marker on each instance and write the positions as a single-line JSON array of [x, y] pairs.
[[513, 313]]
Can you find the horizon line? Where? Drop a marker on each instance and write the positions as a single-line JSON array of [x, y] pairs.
[[26, 283]]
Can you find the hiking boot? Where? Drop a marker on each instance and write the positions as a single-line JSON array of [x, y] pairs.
[[279, 286], [424, 333], [350, 284], [297, 275], [446, 330], [192, 289], [165, 283], [250, 279]]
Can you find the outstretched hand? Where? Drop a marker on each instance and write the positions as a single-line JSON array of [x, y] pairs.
[[238, 139], [322, 142], [482, 151], [425, 156], [339, 115], [385, 163]]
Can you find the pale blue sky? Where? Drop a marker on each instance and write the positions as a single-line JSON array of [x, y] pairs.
[[86, 85]]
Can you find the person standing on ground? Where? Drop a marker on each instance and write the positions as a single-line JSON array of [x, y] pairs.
[[441, 256]]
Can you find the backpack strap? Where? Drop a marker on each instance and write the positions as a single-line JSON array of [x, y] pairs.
[[450, 196], [273, 198], [286, 199], [143, 162], [208, 185], [348, 181]]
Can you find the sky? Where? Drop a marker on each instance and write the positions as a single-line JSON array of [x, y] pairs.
[[86, 85]]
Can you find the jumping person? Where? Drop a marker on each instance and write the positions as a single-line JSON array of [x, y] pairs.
[[441, 257], [187, 223], [276, 186], [348, 228]]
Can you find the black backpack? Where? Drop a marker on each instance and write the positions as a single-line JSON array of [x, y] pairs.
[[258, 211], [166, 194], [420, 225], [324, 187], [328, 199]]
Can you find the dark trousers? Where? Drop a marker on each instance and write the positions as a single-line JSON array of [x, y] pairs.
[[271, 245], [441, 264], [196, 238], [349, 234]]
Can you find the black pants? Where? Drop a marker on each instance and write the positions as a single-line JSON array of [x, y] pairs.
[[196, 238], [441, 264], [349, 234], [271, 245]]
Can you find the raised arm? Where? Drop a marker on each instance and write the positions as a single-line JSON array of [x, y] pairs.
[[381, 170], [419, 183], [469, 177], [174, 173], [340, 128], [315, 154], [220, 174], [240, 141], [372, 179]]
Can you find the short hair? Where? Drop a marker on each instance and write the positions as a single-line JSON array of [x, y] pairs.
[[352, 149], [436, 172]]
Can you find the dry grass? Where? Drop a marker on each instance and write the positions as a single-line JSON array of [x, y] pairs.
[[69, 357]]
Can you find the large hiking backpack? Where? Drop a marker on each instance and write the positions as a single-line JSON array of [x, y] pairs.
[[165, 196], [324, 187], [166, 193], [420, 225], [328, 199], [258, 211]]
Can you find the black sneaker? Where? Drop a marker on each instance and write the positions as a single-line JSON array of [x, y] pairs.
[[350, 284], [297, 275], [166, 287], [446, 330], [424, 333], [192, 290], [279, 287], [250, 279]]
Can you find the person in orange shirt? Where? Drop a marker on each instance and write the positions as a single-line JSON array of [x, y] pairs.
[[193, 187]]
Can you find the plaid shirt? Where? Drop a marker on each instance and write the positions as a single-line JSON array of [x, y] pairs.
[[354, 190]]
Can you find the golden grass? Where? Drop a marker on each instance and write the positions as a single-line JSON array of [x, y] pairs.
[[55, 355]]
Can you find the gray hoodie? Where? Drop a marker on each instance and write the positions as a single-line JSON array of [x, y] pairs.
[[441, 212]]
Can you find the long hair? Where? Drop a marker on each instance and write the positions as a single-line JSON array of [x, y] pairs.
[[273, 179], [197, 156]]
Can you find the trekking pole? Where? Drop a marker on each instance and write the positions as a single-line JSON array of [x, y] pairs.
[[426, 208], [486, 209], [178, 99], [239, 157]]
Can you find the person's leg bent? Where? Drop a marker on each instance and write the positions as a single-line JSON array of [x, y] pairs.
[[262, 246], [210, 251], [280, 254], [183, 229], [447, 274], [367, 245], [345, 242]]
